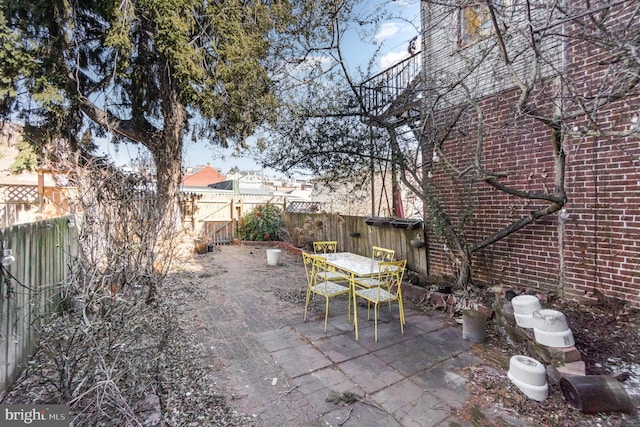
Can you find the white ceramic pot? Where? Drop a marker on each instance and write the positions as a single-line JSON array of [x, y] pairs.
[[525, 304], [524, 320], [527, 370], [523, 308], [273, 256], [535, 392], [549, 320], [554, 339]]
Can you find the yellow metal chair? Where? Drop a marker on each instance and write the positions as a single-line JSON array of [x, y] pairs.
[[325, 247], [383, 254], [388, 291], [309, 267], [330, 247], [379, 279], [319, 285]]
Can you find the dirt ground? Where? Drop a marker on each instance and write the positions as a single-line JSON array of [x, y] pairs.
[[608, 338]]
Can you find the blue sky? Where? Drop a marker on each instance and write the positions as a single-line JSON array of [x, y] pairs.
[[392, 36]]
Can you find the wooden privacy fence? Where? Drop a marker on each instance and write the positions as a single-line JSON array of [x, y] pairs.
[[357, 234], [30, 287], [21, 204], [214, 218]]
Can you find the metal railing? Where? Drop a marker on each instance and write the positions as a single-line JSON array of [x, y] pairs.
[[383, 90]]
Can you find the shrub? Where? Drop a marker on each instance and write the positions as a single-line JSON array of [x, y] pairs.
[[26, 160], [264, 222], [314, 229]]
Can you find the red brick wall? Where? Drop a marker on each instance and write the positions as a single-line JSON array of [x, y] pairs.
[[524, 151], [594, 243], [602, 229], [602, 232]]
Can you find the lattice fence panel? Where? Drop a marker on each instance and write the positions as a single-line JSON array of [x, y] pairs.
[[301, 207], [18, 194]]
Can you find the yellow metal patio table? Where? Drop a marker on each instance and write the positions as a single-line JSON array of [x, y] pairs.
[[355, 266]]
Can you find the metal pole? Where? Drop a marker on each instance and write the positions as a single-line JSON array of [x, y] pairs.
[[373, 192]]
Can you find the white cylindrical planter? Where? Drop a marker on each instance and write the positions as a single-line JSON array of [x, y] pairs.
[[550, 320], [273, 256], [561, 339], [550, 328], [535, 392], [528, 370], [523, 308], [530, 376]]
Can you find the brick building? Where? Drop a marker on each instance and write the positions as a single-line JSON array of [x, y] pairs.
[[571, 137], [545, 104], [202, 176]]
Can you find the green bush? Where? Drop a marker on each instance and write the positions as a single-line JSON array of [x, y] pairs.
[[264, 222], [26, 160]]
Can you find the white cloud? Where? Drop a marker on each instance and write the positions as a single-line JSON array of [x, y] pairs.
[[312, 62], [392, 58], [387, 30], [324, 61]]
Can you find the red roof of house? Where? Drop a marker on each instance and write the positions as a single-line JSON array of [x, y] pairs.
[[203, 177]]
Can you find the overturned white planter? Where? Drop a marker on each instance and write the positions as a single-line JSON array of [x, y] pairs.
[[273, 256], [528, 370], [535, 392], [530, 376], [550, 328], [523, 308]]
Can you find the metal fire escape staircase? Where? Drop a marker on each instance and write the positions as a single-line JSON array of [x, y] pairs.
[[393, 99], [393, 96]]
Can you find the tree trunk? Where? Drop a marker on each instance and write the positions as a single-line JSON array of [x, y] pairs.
[[168, 159], [463, 280], [168, 175], [167, 155]]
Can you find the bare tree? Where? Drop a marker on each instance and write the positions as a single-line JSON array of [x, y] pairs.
[[500, 83], [324, 130], [495, 76]]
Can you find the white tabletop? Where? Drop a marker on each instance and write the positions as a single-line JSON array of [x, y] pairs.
[[358, 265]]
